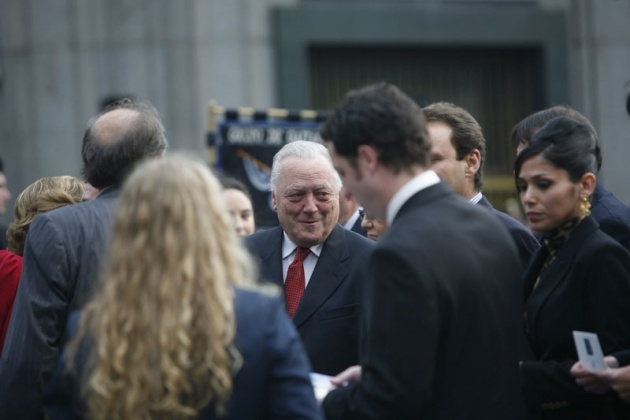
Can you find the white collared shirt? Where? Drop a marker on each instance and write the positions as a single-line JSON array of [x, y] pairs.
[[288, 255], [476, 198], [355, 216], [419, 183]]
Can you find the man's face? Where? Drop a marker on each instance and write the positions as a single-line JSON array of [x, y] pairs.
[[307, 199], [444, 157], [347, 206], [5, 194]]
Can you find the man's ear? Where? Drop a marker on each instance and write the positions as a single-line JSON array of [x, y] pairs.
[[273, 201], [367, 158], [473, 162]]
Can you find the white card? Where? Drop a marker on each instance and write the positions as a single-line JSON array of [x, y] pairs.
[[321, 385], [589, 351]]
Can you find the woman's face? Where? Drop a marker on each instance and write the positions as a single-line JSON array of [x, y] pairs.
[[548, 196], [241, 210], [374, 227]]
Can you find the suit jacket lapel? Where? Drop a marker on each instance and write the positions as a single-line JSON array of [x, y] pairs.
[[329, 273], [557, 271], [271, 257]]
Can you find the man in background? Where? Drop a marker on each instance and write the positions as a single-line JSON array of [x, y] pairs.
[[458, 154], [350, 213], [63, 252]]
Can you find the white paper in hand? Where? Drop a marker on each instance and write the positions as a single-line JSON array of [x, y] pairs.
[[589, 351], [321, 385]]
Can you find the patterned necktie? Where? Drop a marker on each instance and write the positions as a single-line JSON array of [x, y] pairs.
[[296, 281]]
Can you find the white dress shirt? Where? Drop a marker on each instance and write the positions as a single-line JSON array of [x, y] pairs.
[[419, 183], [288, 255]]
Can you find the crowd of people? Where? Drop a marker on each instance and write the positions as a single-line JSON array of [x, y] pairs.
[[146, 291]]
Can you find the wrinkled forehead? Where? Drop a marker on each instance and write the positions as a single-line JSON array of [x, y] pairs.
[[307, 173]]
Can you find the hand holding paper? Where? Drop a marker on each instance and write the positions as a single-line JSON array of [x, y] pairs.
[[589, 351]]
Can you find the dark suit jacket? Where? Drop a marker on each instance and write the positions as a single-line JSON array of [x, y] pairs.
[[329, 312], [526, 243], [357, 226], [272, 383], [442, 315], [61, 260], [586, 288], [612, 215]]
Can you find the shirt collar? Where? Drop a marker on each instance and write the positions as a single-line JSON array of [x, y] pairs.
[[351, 221], [418, 183], [476, 198], [288, 247]]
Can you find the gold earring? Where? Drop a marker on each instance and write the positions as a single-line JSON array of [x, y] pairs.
[[585, 206]]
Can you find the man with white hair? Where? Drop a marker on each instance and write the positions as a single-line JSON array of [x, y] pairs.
[[318, 263]]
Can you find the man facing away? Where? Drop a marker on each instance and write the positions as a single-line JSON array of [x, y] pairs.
[[442, 310], [5, 195], [458, 151], [317, 262], [612, 215], [63, 252]]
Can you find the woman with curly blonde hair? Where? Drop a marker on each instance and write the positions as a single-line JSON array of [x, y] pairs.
[[43, 195], [173, 331]]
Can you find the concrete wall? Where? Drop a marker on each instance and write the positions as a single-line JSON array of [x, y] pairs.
[[59, 58]]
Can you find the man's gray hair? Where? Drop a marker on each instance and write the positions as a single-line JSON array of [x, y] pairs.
[[304, 150]]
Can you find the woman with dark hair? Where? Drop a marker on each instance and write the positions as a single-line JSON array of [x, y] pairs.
[[578, 280]]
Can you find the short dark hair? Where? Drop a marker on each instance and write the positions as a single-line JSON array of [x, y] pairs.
[[527, 127], [107, 163], [467, 133], [230, 183], [565, 143], [382, 116]]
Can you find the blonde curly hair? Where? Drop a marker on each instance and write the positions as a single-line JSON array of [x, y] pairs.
[[43, 195], [161, 327]]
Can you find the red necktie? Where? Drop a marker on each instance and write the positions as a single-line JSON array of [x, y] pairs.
[[296, 281]]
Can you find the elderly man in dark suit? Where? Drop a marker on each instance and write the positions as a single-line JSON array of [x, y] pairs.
[[612, 215], [323, 291], [63, 252], [443, 300], [458, 152]]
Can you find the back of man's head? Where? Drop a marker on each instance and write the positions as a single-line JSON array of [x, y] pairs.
[[117, 139], [467, 134], [383, 117], [523, 132]]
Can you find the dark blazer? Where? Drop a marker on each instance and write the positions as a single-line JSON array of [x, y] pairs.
[[612, 215], [329, 312], [357, 226], [442, 315], [586, 288], [61, 260], [272, 383], [526, 242]]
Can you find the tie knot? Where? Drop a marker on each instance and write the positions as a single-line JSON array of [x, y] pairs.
[[301, 253]]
